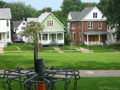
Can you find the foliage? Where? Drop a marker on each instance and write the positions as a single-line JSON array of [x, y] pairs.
[[32, 29], [2, 4], [20, 10], [112, 12], [11, 48]]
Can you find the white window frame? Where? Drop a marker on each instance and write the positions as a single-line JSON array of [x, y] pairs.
[[95, 14], [73, 25], [73, 35], [50, 22], [90, 25], [99, 25]]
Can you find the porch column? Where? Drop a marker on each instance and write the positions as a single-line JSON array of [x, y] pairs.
[[48, 38], [63, 37], [56, 38], [99, 39], [87, 39], [41, 37]]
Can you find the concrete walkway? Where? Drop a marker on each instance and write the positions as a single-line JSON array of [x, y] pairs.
[[96, 73], [19, 49], [99, 73], [58, 50], [83, 50], [1, 50]]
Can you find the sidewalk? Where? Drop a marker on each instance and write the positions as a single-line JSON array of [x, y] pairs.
[[1, 50], [96, 73], [99, 73]]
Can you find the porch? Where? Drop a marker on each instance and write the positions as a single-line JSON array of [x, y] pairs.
[[51, 38], [92, 38], [3, 40]]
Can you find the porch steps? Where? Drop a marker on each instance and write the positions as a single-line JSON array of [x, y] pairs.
[[1, 50]]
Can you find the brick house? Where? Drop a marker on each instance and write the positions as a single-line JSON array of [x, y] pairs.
[[87, 27]]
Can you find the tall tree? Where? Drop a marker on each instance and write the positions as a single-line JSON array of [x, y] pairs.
[[20, 10], [3, 4], [112, 12]]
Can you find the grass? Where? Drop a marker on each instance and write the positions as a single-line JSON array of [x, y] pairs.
[[66, 47], [111, 48], [10, 48], [46, 48], [25, 47], [106, 83], [74, 60]]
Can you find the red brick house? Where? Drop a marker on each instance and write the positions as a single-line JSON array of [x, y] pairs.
[[87, 27]]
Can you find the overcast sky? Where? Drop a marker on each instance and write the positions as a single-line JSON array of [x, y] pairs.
[[40, 4]]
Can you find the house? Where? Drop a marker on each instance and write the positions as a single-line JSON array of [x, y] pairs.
[[5, 26], [87, 27], [53, 32], [18, 28]]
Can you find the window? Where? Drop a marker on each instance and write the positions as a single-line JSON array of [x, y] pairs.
[[90, 25], [7, 23], [73, 35], [23, 23], [100, 25], [80, 25], [73, 25], [23, 28], [7, 35], [0, 36], [50, 23], [94, 15], [60, 36], [44, 37]]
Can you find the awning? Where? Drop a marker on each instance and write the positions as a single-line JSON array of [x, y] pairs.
[[95, 32]]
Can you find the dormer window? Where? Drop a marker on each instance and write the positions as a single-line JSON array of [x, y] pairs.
[[23, 23], [95, 15], [50, 23]]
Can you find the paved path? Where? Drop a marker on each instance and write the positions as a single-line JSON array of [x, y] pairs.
[[58, 49], [100, 73], [84, 50], [96, 73], [1, 50], [19, 49]]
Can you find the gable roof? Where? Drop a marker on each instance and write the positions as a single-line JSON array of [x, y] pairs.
[[42, 17], [16, 23], [78, 16], [5, 13]]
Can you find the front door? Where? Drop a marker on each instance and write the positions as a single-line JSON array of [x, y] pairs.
[[53, 38]]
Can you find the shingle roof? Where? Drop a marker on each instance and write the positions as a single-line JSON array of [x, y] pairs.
[[78, 16], [32, 19], [5, 13], [16, 23], [43, 16]]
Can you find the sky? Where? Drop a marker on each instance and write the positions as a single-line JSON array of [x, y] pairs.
[[40, 4]]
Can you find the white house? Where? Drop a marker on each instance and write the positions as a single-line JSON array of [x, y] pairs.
[[18, 27], [5, 26], [53, 32]]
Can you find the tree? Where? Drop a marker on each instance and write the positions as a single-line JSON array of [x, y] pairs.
[[32, 29], [20, 10], [2, 4], [112, 12]]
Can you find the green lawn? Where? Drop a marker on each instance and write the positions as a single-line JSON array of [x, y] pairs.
[[107, 83], [25, 47], [46, 48], [74, 60], [10, 48], [111, 48], [65, 47]]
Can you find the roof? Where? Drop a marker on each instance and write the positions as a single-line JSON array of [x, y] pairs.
[[32, 19], [95, 32], [78, 16], [5, 13], [16, 23], [42, 17]]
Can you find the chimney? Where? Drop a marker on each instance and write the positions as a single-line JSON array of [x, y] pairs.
[[87, 5], [46, 10]]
